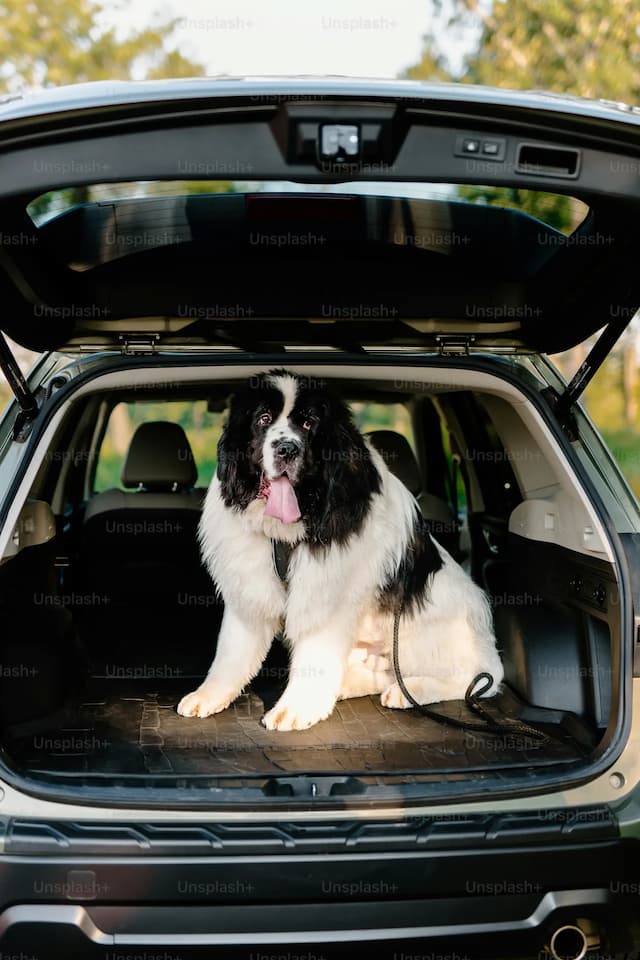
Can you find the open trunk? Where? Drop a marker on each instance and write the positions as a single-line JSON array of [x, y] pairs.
[[493, 231], [103, 634]]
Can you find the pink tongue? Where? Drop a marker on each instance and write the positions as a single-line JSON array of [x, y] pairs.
[[281, 502]]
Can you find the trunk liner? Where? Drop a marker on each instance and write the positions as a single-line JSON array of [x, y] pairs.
[[131, 727]]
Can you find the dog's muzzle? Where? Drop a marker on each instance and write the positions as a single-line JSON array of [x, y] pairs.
[[286, 450]]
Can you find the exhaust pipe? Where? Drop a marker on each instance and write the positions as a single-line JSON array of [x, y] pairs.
[[568, 943]]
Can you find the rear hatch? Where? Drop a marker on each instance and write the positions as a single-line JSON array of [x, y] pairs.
[[407, 264]]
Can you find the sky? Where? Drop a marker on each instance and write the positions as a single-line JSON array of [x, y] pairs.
[[366, 38]]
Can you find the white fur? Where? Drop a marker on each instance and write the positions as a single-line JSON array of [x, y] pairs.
[[340, 644], [279, 429]]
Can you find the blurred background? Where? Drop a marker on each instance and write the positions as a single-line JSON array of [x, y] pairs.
[[585, 47]]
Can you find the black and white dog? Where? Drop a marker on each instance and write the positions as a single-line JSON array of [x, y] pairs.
[[292, 466]]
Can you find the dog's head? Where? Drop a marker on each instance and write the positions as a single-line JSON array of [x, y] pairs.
[[290, 441]]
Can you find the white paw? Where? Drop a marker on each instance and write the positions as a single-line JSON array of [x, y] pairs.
[[394, 698], [298, 710], [203, 702]]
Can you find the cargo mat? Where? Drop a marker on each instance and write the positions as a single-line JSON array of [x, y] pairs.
[[131, 727]]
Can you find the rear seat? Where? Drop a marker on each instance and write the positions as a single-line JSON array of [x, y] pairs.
[[400, 458], [141, 544]]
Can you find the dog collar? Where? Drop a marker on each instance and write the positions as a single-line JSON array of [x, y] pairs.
[[263, 489]]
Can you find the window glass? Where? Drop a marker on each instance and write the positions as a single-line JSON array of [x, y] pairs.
[[203, 431], [201, 427], [383, 416]]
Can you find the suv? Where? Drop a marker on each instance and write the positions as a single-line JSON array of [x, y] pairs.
[[421, 249]]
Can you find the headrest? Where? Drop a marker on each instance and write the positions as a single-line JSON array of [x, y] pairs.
[[159, 458], [398, 456]]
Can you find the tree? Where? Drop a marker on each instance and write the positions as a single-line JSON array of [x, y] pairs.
[[52, 42], [588, 48]]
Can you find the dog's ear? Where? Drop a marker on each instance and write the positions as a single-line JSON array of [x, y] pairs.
[[238, 480], [227, 467], [344, 477]]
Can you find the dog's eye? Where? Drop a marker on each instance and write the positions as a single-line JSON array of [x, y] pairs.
[[309, 422], [265, 419]]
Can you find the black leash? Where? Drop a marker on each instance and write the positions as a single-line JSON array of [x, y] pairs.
[[281, 554], [471, 698]]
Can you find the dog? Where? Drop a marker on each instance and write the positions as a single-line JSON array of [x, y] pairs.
[[293, 467]]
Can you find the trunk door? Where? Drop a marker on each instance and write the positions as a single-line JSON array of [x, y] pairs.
[[315, 214]]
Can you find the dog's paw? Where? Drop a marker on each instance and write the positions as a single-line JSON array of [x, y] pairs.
[[297, 711], [202, 703], [394, 698]]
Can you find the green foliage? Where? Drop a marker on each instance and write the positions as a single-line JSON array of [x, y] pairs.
[[52, 42], [604, 397], [625, 449], [5, 394], [383, 416], [562, 213], [589, 48]]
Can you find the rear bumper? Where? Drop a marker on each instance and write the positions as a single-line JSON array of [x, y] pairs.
[[511, 926], [474, 887]]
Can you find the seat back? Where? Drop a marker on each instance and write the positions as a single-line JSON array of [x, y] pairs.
[[142, 546], [396, 452]]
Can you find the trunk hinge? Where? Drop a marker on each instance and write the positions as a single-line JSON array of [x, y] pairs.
[[451, 343], [21, 391], [144, 343], [587, 370]]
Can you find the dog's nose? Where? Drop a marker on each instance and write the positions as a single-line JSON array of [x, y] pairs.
[[287, 449]]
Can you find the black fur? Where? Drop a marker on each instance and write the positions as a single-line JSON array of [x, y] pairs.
[[339, 478], [408, 589], [239, 469]]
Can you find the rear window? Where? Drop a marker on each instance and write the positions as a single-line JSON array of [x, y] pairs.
[[383, 416], [558, 211], [203, 429]]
